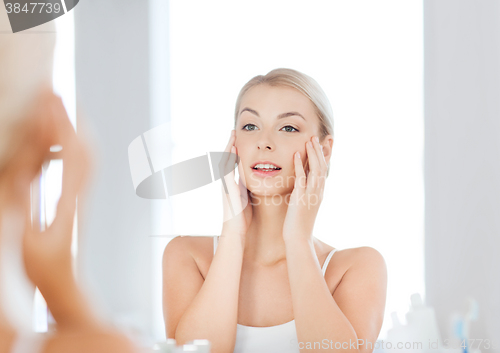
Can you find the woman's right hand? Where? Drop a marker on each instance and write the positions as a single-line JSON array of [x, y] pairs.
[[235, 197]]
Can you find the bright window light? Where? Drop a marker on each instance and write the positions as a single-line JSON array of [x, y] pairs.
[[51, 180]]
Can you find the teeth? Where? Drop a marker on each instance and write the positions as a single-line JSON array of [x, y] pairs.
[[265, 166]]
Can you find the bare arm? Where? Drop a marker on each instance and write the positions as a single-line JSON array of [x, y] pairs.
[[194, 308], [68, 305], [355, 312]]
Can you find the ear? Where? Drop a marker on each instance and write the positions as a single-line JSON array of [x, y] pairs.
[[327, 144]]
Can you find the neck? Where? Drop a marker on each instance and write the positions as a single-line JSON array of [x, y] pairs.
[[264, 242]]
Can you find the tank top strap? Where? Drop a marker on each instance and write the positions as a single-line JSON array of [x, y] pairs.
[[216, 241], [328, 258]]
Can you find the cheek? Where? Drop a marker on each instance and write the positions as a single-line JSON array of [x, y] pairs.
[[302, 150]]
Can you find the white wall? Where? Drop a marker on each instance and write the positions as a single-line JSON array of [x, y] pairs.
[[462, 159], [112, 88]]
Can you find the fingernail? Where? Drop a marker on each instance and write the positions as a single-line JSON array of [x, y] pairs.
[[317, 138], [298, 155]]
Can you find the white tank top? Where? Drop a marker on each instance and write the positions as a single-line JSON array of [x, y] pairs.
[[272, 339]]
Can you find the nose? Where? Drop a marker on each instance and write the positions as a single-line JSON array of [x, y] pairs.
[[265, 143]]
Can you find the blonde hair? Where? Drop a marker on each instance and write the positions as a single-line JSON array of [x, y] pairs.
[[304, 84], [26, 60]]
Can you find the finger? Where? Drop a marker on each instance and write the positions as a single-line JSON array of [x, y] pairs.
[[231, 197], [227, 166], [312, 177], [230, 143], [74, 155], [300, 175], [26, 206], [64, 131], [66, 208], [75, 164], [241, 173], [234, 188], [321, 157], [243, 193], [225, 162]]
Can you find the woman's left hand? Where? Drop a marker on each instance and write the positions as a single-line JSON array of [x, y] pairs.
[[307, 193], [47, 254]]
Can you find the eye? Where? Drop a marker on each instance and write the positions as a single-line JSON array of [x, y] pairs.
[[290, 127], [248, 125]]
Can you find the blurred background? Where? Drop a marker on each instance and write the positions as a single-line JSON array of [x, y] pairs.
[[414, 87]]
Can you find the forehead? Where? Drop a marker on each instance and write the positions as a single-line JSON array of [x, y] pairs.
[[276, 100]]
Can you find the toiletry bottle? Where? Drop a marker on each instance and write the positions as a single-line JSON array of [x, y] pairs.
[[399, 333], [422, 320], [202, 345], [167, 346]]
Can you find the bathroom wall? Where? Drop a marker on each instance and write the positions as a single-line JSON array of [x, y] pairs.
[[112, 88], [462, 160]]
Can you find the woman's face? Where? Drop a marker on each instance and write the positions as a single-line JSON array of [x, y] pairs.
[[273, 123]]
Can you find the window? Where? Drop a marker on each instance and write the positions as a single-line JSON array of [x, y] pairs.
[[50, 180]]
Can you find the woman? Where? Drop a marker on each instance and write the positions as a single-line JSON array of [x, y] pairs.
[[32, 119], [266, 286]]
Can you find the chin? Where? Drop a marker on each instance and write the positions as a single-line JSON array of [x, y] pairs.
[[271, 192], [268, 186]]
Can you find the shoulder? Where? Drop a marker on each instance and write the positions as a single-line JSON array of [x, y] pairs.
[[175, 247], [366, 255], [187, 244], [349, 257], [363, 257], [189, 248], [358, 263], [364, 264]]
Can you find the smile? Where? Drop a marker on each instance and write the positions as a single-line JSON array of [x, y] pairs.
[[265, 172]]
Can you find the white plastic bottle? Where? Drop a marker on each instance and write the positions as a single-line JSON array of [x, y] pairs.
[[186, 348], [398, 332], [170, 346], [422, 321], [167, 346]]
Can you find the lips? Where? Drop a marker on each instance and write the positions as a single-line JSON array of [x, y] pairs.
[[263, 172], [265, 162]]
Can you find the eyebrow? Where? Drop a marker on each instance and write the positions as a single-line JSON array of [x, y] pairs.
[[281, 116]]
